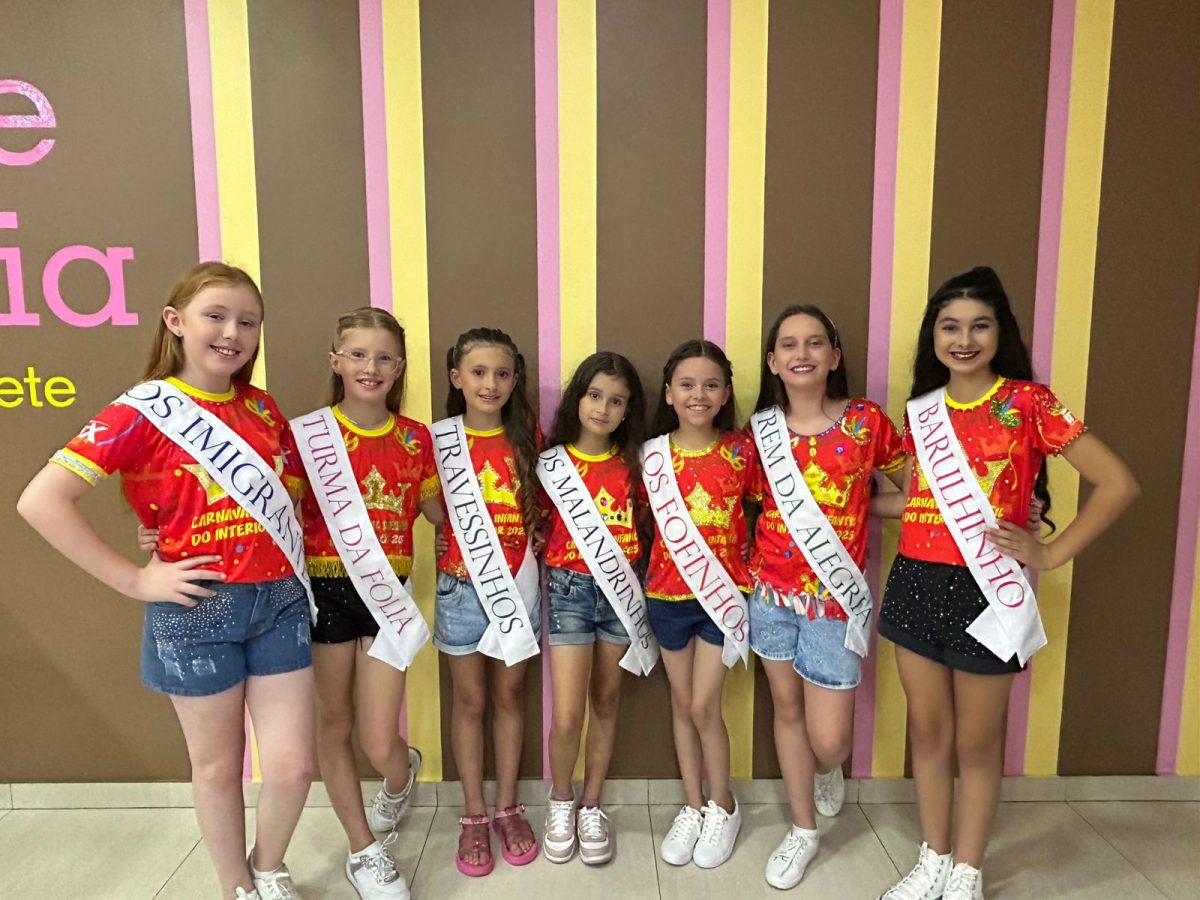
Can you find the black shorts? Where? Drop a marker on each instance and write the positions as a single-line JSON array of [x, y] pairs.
[[927, 607], [341, 614]]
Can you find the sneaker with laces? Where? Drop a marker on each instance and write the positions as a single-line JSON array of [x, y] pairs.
[[785, 867], [926, 881], [965, 883], [718, 835], [372, 872], [240, 894], [275, 885], [386, 809], [829, 792], [558, 841], [595, 842], [680, 843]]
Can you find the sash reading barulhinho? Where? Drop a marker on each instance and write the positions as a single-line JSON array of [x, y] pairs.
[[509, 636], [810, 529], [230, 462], [602, 554], [402, 629], [705, 575], [1011, 624]]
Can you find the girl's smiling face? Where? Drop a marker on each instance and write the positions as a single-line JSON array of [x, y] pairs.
[[486, 375], [602, 406], [803, 355], [369, 361], [697, 391], [966, 337], [219, 330]]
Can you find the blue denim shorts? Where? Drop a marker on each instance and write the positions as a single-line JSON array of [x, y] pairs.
[[676, 622], [579, 611], [815, 647], [459, 620], [258, 628]]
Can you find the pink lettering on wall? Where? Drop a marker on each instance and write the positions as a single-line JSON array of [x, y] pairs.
[[43, 118]]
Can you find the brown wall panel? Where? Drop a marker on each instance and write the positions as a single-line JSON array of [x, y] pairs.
[[651, 70], [308, 146], [477, 71], [1143, 320], [120, 174]]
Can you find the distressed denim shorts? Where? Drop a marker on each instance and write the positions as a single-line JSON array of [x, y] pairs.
[[579, 611], [459, 620], [815, 647], [258, 628]]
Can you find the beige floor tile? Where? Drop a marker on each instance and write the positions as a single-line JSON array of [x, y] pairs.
[[5, 796], [123, 854], [1132, 787], [315, 857], [630, 874], [99, 795], [851, 862], [4, 812], [1161, 840], [530, 791], [1037, 850]]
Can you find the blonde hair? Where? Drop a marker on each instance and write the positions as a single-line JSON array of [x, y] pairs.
[[369, 317], [166, 353]]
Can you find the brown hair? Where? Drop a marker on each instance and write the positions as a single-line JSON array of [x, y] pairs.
[[369, 317], [166, 353]]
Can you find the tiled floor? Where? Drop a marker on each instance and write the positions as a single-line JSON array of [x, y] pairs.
[[1071, 849]]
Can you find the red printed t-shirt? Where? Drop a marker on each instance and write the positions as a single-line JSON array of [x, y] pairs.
[[713, 483], [393, 467], [496, 468], [607, 479], [837, 466], [1005, 434], [170, 491]]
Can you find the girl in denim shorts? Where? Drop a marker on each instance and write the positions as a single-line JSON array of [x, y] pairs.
[[600, 423], [797, 628], [227, 621]]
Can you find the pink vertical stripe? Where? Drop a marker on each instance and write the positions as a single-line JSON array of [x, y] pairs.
[[545, 62], [1054, 161], [716, 169], [374, 108], [1183, 583], [879, 330], [204, 141]]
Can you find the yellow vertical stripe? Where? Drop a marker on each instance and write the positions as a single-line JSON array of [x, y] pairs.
[[233, 126], [410, 304], [744, 274], [1187, 760], [1072, 321], [916, 144]]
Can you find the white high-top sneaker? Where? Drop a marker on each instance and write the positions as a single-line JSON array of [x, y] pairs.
[[680, 843], [926, 881], [829, 792], [372, 872], [558, 835], [965, 883], [786, 865], [386, 809], [717, 836]]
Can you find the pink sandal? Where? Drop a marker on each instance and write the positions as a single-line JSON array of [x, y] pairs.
[[514, 826], [474, 839]]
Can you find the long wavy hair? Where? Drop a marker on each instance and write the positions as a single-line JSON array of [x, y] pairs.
[[368, 317], [665, 418], [771, 391], [517, 416], [629, 434], [1012, 358], [166, 351]]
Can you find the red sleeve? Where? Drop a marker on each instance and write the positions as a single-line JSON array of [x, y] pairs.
[[889, 446], [1056, 427], [431, 485], [111, 441], [906, 438]]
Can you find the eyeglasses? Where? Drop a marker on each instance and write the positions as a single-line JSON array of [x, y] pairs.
[[384, 363]]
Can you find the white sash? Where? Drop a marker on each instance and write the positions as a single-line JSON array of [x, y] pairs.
[[230, 462], [402, 629], [1011, 624], [602, 554], [506, 600], [699, 566], [810, 529]]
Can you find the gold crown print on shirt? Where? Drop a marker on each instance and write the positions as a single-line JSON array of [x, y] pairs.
[[612, 513], [377, 498], [703, 512]]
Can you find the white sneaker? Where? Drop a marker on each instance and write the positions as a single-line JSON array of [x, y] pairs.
[[926, 881], [786, 865], [372, 872], [240, 894], [595, 841], [680, 842], [275, 885], [386, 809], [717, 836], [558, 836], [829, 792], [965, 883]]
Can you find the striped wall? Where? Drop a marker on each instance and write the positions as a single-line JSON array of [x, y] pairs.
[[616, 174]]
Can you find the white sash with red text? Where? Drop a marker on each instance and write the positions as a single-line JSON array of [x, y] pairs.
[[602, 554], [1011, 624], [506, 601], [707, 578], [810, 529], [230, 462], [402, 629]]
